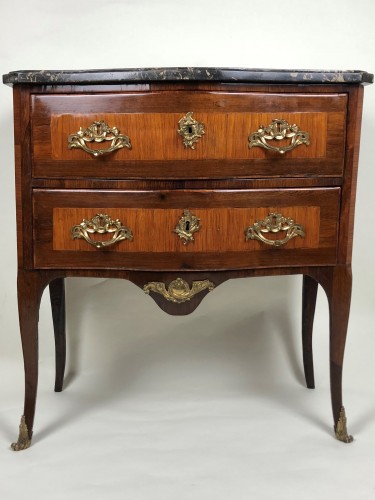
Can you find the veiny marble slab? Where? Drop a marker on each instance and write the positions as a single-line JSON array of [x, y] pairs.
[[110, 76]]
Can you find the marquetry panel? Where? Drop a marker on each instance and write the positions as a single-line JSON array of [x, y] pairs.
[[152, 217], [151, 123], [154, 136], [222, 229]]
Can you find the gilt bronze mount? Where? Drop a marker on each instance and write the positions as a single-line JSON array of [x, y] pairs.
[[341, 430], [101, 224], [190, 130], [24, 440], [278, 130], [274, 223], [178, 290], [98, 131], [187, 226]]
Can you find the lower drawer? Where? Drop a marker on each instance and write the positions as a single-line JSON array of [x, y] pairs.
[[171, 230]]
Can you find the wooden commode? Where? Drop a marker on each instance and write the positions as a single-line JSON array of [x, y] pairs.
[[178, 179]]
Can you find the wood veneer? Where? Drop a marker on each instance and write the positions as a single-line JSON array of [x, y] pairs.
[[151, 122], [152, 217]]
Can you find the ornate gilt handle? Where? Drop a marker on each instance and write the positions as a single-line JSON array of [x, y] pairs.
[[276, 131], [101, 224], [190, 130], [274, 223], [178, 290], [99, 132]]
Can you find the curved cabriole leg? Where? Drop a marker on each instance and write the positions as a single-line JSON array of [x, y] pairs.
[[309, 293], [57, 296], [339, 307], [30, 288], [337, 283]]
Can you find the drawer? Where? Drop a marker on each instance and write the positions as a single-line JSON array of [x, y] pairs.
[[171, 230], [302, 135]]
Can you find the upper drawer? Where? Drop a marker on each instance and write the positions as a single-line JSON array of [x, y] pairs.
[[243, 135]]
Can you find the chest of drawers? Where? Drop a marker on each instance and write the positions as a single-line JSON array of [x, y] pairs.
[[179, 179]]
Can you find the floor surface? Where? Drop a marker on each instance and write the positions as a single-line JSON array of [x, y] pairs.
[[209, 406]]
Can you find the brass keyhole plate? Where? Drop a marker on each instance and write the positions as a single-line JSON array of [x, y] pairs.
[[190, 130], [187, 226]]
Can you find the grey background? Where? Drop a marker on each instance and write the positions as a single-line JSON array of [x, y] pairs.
[[211, 405]]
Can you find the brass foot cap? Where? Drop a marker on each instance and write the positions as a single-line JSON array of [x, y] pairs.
[[345, 439], [340, 428], [24, 440]]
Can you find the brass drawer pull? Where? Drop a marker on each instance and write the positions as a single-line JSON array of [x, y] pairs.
[[101, 224], [187, 226], [99, 132], [276, 131], [178, 290], [274, 223], [190, 130]]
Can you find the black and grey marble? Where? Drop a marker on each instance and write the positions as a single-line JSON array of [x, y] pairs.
[[99, 76]]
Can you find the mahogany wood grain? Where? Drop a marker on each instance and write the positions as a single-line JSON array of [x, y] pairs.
[[337, 283], [106, 167], [46, 258], [22, 141], [284, 88], [57, 296], [272, 88], [309, 293], [43, 106], [350, 177], [178, 185], [18, 124], [30, 286]]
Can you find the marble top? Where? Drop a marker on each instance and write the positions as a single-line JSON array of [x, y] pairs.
[[109, 76]]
